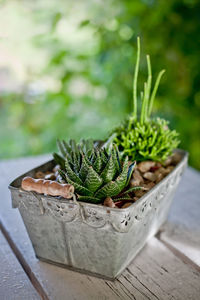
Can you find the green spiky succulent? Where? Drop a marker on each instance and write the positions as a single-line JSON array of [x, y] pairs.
[[141, 137], [94, 172], [149, 141]]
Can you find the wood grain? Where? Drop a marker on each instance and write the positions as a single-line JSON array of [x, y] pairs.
[[182, 231], [156, 273], [14, 283]]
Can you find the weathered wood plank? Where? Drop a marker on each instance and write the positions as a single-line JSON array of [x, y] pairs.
[[57, 283], [14, 283], [165, 275], [156, 273], [182, 230]]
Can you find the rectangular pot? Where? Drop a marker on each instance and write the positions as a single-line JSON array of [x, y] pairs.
[[91, 238]]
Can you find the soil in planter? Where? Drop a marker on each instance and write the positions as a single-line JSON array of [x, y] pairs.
[[146, 175]]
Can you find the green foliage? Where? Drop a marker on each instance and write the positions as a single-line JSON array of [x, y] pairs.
[[146, 96], [152, 140], [71, 71], [146, 138], [95, 173]]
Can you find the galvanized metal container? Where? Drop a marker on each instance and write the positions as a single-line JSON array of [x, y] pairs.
[[91, 238]]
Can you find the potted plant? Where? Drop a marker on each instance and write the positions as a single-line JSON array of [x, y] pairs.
[[99, 205]]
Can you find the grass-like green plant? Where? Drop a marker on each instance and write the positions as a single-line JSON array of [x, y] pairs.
[[94, 172], [141, 137]]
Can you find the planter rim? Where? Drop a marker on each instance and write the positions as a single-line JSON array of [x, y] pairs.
[[184, 154]]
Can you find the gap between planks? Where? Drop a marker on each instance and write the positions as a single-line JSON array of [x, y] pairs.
[[135, 292], [176, 252], [24, 264], [118, 283]]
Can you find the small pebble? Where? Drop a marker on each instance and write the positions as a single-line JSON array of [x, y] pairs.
[[135, 198], [169, 169], [148, 173], [39, 175], [109, 202], [160, 176], [159, 165], [150, 176], [168, 161], [127, 204], [149, 185], [145, 166], [134, 183], [161, 171], [50, 176], [119, 204], [176, 157], [136, 175], [153, 169], [48, 172], [139, 193]]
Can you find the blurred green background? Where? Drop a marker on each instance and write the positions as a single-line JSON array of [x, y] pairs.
[[66, 69]]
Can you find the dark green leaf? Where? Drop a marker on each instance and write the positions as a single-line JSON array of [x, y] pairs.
[[93, 181], [59, 160]]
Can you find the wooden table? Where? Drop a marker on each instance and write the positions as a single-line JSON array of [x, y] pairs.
[[167, 268]]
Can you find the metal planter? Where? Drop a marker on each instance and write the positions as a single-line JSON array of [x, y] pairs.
[[92, 238]]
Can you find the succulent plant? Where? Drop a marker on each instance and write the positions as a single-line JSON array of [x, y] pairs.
[[141, 137], [149, 141], [95, 173]]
